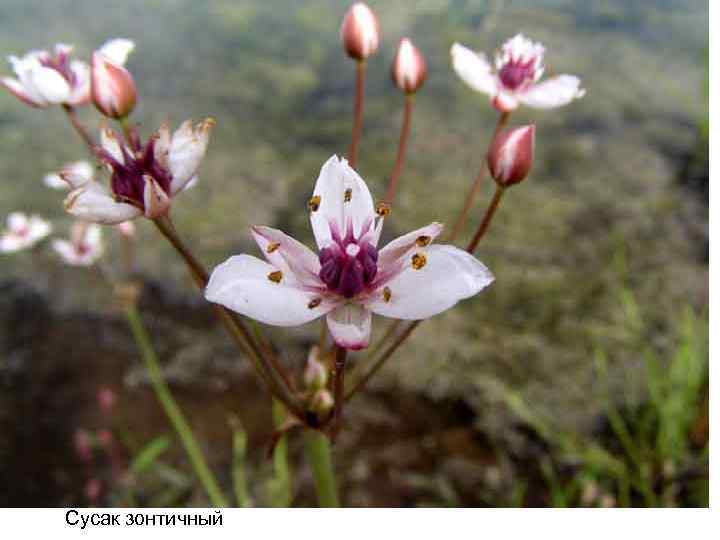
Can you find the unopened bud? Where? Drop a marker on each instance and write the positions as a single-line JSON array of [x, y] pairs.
[[106, 399], [315, 375], [322, 402], [83, 445], [113, 89], [360, 31], [511, 155], [409, 69]]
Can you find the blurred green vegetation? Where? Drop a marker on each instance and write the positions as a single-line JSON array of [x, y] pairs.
[[553, 332]]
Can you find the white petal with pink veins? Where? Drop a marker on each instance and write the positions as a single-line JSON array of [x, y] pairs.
[[187, 148], [92, 202], [398, 248], [552, 93], [109, 142], [252, 288], [20, 92], [117, 50], [50, 85], [442, 276], [341, 196], [474, 69], [288, 255], [80, 93], [350, 326]]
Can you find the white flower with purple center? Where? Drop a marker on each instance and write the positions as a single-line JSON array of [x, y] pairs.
[[144, 177], [85, 246], [515, 80], [23, 232], [409, 278], [44, 78]]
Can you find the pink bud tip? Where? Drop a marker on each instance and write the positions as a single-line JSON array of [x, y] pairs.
[[112, 87], [408, 69], [106, 399], [360, 31], [511, 155]]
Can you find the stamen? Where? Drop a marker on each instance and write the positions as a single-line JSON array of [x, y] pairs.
[[275, 276], [423, 241], [315, 302], [314, 203], [387, 294], [382, 209], [418, 261], [348, 194], [272, 246]]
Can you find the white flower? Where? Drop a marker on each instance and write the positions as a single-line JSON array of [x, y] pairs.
[[45, 79], [350, 279], [84, 247], [145, 178], [73, 175], [23, 232], [518, 68]]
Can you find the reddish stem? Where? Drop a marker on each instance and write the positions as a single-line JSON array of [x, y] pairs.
[[400, 159], [79, 127], [475, 188], [357, 111]]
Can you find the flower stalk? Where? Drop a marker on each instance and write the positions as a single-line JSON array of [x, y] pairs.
[[475, 188], [338, 388], [357, 111], [319, 453], [79, 127], [171, 408], [402, 144], [237, 329]]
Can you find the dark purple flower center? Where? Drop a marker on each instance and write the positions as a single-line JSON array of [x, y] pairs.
[[348, 266], [128, 178], [514, 73]]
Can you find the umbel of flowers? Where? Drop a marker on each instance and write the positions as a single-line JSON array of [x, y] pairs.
[[350, 277]]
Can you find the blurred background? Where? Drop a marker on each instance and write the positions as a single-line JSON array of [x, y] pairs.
[[578, 379]]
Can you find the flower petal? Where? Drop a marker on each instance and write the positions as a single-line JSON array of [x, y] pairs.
[[76, 174], [438, 278], [50, 84], [253, 288], [187, 149], [80, 93], [155, 200], [110, 143], [396, 250], [350, 326], [117, 50], [20, 92], [474, 69], [288, 255], [552, 93], [341, 198], [92, 202]]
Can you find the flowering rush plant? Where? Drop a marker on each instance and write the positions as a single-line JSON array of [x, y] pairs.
[[350, 276]]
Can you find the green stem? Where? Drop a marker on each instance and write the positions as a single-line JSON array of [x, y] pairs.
[[172, 409], [319, 453]]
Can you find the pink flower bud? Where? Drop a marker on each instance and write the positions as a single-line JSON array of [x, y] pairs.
[[113, 89], [106, 399], [360, 31], [83, 445], [93, 488], [511, 155], [315, 375], [322, 402], [409, 68]]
